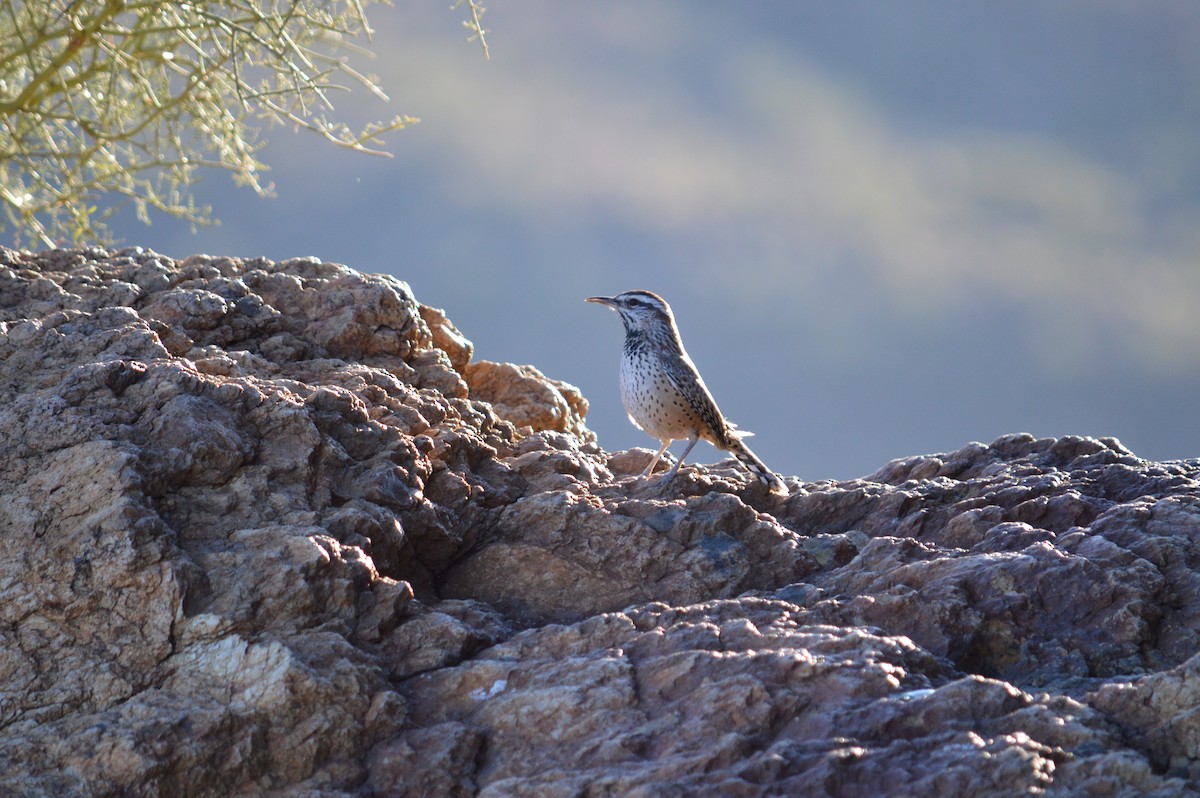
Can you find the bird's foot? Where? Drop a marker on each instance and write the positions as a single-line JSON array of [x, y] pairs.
[[649, 470]]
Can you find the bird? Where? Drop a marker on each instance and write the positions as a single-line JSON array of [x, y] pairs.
[[663, 393]]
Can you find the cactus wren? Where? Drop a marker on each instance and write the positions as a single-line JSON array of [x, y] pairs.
[[663, 393]]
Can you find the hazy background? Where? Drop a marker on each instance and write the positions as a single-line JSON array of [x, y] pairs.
[[886, 229]]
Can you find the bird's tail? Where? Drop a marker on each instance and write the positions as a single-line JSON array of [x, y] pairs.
[[752, 461]]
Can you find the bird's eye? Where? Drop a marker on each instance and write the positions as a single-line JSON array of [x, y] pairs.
[[633, 303]]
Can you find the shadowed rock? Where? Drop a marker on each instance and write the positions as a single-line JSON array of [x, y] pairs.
[[268, 529]]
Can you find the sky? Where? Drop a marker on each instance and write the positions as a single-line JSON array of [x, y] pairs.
[[885, 229]]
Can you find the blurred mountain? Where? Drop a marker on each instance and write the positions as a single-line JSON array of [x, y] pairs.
[[884, 229]]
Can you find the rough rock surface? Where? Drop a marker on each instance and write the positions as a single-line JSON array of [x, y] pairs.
[[267, 529]]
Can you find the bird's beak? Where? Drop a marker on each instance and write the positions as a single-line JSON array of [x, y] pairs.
[[603, 300]]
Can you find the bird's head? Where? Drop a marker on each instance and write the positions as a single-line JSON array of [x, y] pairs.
[[641, 311]]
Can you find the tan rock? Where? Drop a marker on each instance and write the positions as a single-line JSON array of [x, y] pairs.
[[524, 395], [447, 338]]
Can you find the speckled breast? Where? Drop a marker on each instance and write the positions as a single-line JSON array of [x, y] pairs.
[[652, 401]]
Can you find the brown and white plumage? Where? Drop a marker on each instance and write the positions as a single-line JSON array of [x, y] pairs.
[[663, 393]]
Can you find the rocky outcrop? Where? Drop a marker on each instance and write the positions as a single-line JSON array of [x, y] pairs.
[[268, 529]]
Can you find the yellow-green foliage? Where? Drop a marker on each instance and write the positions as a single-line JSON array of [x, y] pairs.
[[104, 100]]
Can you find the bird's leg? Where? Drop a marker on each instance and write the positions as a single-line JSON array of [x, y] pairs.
[[675, 468], [650, 468]]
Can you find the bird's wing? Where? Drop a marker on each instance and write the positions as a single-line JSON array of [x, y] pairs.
[[682, 373]]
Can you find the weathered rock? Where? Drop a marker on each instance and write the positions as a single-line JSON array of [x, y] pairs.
[[268, 530], [447, 338], [743, 698], [579, 558], [524, 396], [1159, 715], [1017, 567]]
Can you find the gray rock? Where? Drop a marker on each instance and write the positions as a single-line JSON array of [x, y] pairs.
[[267, 529]]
